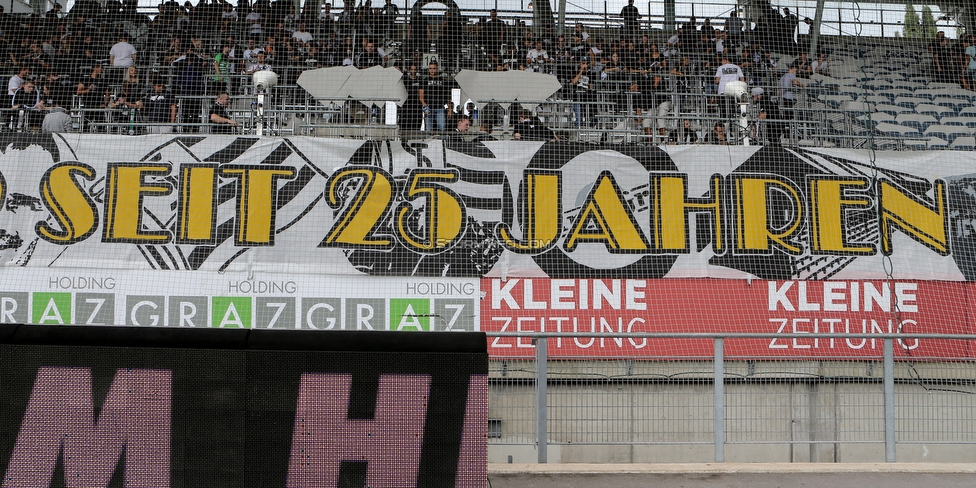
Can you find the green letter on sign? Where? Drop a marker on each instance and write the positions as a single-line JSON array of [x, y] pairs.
[[51, 308], [231, 312], [406, 314]]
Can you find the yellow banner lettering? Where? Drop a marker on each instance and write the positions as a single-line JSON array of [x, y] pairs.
[[540, 213], [72, 208], [257, 189], [196, 210], [604, 217], [927, 225]]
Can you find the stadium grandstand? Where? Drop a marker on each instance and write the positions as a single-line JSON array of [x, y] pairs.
[[648, 77]]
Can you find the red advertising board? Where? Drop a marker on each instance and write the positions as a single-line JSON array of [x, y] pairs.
[[607, 306]]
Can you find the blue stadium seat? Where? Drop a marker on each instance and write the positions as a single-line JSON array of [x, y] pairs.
[[934, 110], [918, 121]]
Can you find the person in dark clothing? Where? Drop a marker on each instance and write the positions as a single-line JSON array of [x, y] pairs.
[[434, 96], [191, 81], [369, 56], [221, 121], [412, 112], [449, 41], [494, 33], [92, 89], [631, 18], [159, 107], [530, 128]]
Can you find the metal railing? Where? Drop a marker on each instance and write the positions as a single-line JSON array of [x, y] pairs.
[[832, 406]]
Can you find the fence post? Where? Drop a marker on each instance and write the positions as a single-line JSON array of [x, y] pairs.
[[719, 381], [889, 399], [540, 399]]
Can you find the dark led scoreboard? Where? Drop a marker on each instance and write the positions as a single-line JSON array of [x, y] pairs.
[[157, 408]]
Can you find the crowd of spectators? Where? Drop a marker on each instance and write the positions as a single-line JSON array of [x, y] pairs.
[[113, 57]]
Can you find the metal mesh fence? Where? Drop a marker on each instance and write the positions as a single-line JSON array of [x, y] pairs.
[[814, 409]]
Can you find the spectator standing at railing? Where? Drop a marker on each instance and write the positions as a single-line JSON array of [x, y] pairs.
[[727, 72], [159, 107], [125, 104], [969, 62], [191, 82], [585, 92], [412, 114], [631, 17], [767, 129], [434, 96], [221, 69], [494, 36], [449, 41], [389, 14], [122, 53], [634, 102], [733, 29]]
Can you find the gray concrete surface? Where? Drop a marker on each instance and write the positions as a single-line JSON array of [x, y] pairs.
[[752, 475]]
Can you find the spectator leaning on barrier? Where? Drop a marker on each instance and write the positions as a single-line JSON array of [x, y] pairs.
[[786, 84], [28, 100], [221, 121], [57, 120]]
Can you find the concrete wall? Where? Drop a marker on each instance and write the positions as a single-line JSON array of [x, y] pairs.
[[774, 412]]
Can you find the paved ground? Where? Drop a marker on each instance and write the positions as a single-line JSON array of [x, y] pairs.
[[896, 475]]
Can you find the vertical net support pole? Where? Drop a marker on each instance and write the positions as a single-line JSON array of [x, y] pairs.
[[889, 399], [670, 16], [540, 399], [815, 30], [719, 381]]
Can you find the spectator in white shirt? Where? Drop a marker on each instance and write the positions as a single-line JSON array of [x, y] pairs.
[[302, 34], [122, 53], [537, 56], [259, 64], [17, 80]]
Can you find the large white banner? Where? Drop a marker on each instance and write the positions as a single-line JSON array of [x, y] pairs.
[[330, 219]]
